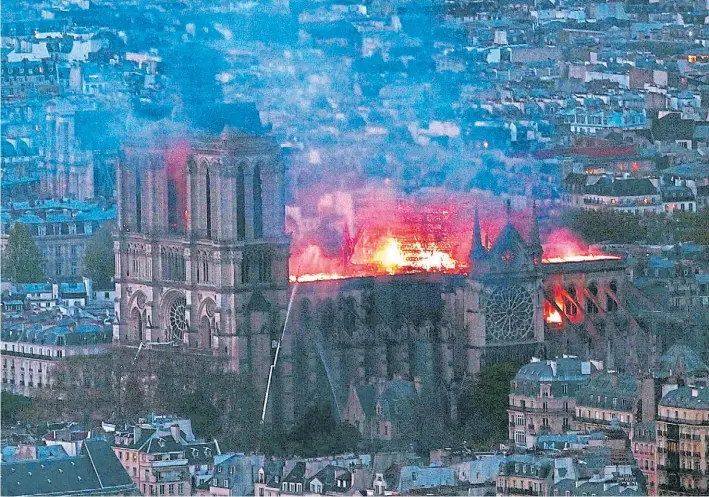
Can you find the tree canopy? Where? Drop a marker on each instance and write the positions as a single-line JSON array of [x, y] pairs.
[[99, 259], [483, 404], [23, 261], [14, 408], [621, 227]]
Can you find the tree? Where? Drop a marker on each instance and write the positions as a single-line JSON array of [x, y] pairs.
[[14, 408], [483, 406], [99, 259], [23, 261], [606, 225]]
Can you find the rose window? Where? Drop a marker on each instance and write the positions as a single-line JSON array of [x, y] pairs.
[[509, 315], [178, 319]]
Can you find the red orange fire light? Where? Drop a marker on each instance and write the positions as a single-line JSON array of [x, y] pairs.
[[553, 317], [395, 237]]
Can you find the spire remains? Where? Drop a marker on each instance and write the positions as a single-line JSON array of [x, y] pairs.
[[536, 241], [536, 238], [478, 250]]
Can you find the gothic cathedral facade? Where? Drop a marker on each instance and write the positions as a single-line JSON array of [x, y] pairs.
[[202, 255]]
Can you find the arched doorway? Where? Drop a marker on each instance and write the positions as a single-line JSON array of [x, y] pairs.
[[205, 333]]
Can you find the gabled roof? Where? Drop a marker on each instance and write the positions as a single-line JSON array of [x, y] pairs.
[[681, 359], [297, 474], [366, 395], [161, 444], [96, 471], [201, 453], [622, 188], [563, 369], [329, 476], [687, 397]]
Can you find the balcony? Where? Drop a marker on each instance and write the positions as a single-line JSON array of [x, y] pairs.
[[171, 478], [604, 422], [540, 410], [516, 491], [679, 490], [695, 422], [169, 463]]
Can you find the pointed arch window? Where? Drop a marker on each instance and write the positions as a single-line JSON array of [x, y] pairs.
[[208, 200], [258, 203], [138, 202], [172, 205], [240, 205], [205, 267]]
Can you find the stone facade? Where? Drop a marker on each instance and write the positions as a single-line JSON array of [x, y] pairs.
[[201, 254]]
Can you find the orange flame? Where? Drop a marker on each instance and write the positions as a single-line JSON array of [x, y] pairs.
[[376, 234], [553, 317]]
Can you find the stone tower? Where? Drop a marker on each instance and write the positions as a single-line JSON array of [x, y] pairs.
[[202, 255]]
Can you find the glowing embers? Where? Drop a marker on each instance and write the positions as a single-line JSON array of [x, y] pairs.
[[378, 233], [390, 255], [377, 237], [580, 258], [393, 256], [561, 245]]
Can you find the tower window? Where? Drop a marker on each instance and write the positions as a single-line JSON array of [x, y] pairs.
[[240, 205], [208, 200], [258, 203], [138, 202], [264, 268], [176, 195], [245, 270]]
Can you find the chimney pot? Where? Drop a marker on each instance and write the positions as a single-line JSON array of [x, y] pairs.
[[175, 432]]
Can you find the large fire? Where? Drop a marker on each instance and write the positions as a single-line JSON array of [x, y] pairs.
[[561, 245], [379, 233]]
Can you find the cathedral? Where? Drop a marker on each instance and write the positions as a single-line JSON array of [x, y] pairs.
[[201, 253], [202, 266]]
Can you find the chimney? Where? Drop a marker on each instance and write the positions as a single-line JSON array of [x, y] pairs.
[[137, 432], [695, 392], [417, 384], [175, 432], [614, 378]]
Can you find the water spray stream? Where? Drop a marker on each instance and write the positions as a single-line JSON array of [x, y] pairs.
[[278, 350], [321, 353]]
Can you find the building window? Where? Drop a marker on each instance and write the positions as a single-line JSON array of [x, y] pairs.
[[264, 267], [258, 203], [208, 201], [138, 202], [240, 205]]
